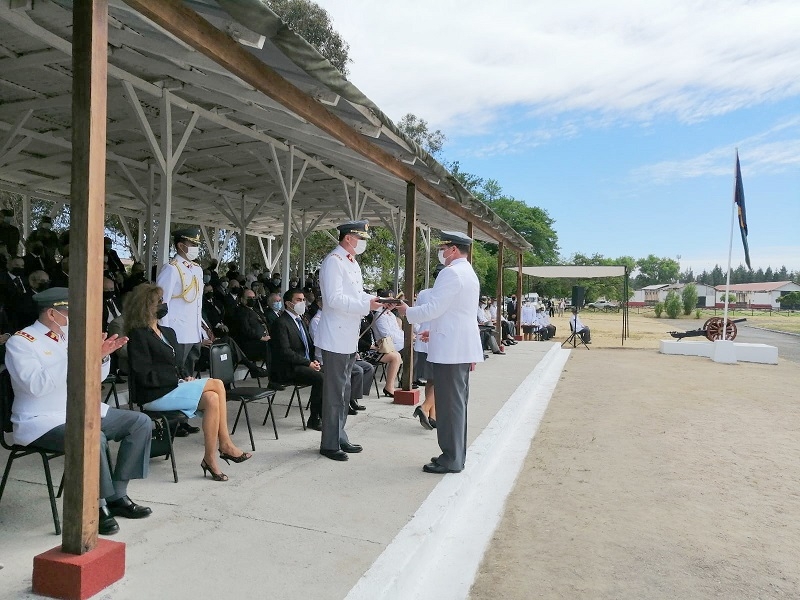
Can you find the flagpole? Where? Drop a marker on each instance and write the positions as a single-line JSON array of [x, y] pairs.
[[730, 252]]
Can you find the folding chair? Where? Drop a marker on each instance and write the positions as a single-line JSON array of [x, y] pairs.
[[111, 379], [296, 394], [574, 338], [222, 368], [17, 451]]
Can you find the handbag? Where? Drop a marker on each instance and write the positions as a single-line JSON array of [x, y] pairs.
[[385, 345]]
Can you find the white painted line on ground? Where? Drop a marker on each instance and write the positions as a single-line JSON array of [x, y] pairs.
[[437, 554]]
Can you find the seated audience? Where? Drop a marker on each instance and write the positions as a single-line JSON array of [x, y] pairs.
[[36, 359], [384, 324], [548, 330], [162, 384], [292, 352], [248, 329]]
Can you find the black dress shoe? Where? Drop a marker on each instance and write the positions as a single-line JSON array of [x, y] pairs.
[[334, 454], [106, 524], [438, 469], [125, 507], [350, 448], [423, 418], [188, 428], [432, 422], [314, 423], [275, 386], [258, 372], [356, 406], [351, 411]]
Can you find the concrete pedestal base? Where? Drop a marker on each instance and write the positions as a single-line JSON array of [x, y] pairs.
[[76, 577], [728, 352], [518, 338], [409, 398]]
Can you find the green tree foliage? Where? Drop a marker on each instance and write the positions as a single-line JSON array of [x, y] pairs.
[[313, 23], [689, 298], [417, 129], [790, 300], [673, 304], [658, 309], [653, 269]]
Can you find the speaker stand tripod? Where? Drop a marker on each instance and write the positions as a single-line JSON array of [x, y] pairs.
[[574, 337]]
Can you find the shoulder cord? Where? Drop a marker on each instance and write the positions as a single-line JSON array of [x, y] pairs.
[[185, 289]]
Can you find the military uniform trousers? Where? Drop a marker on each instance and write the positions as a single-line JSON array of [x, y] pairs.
[[134, 432], [452, 394], [336, 393]]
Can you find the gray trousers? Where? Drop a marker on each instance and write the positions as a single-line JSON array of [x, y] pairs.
[[361, 379], [187, 355], [134, 432], [335, 397], [452, 393]]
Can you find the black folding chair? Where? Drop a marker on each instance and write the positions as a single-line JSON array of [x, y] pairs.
[[17, 451], [574, 338], [296, 395], [112, 380], [222, 368]]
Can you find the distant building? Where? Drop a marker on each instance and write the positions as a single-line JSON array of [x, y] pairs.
[[652, 294], [757, 295]]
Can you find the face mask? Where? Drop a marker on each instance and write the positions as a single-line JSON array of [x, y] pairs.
[[65, 326], [251, 302], [9, 219], [192, 252], [440, 255], [44, 226], [300, 307], [162, 310], [208, 296], [277, 306], [206, 278], [18, 271], [361, 245], [223, 285], [108, 295], [43, 286], [37, 250]]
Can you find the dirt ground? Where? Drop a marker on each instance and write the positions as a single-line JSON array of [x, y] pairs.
[[655, 477]]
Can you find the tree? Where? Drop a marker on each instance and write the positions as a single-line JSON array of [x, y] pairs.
[[313, 23], [532, 223], [417, 129], [790, 300], [472, 183], [672, 304], [686, 276], [689, 298], [654, 270], [767, 274]]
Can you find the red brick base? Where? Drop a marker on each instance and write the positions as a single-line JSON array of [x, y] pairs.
[[409, 398], [77, 577]]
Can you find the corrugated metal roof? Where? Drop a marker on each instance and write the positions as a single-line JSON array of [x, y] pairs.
[[766, 286]]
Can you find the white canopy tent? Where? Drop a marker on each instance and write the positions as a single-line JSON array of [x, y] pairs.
[[584, 272]]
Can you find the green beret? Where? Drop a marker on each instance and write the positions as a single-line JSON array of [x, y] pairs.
[[190, 234], [450, 238], [57, 297], [359, 228]]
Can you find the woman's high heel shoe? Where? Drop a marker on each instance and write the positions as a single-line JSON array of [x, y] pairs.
[[237, 459], [423, 418], [215, 476], [387, 393]]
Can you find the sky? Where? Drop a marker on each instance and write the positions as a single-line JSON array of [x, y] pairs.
[[620, 118]]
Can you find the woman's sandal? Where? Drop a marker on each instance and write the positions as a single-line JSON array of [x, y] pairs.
[[237, 459], [215, 476]]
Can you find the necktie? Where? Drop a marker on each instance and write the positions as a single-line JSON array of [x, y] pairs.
[[303, 336], [20, 287]]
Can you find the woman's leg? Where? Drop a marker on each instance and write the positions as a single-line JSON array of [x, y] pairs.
[[210, 407], [429, 406], [215, 390], [393, 362]]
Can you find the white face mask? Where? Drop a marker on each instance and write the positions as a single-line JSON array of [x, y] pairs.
[[360, 246], [441, 256], [65, 326], [300, 308], [192, 252]]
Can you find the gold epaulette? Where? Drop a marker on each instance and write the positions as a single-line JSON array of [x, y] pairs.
[[25, 335]]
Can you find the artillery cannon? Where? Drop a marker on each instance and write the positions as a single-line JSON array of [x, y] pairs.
[[711, 329]]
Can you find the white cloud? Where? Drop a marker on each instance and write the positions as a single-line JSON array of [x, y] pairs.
[[457, 63]]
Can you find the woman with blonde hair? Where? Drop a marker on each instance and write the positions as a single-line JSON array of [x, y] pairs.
[[162, 384]]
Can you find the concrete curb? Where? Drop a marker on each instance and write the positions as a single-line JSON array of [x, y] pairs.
[[773, 330], [437, 554]]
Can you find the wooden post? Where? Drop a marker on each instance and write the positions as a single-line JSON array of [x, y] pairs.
[[87, 209], [409, 396], [519, 296], [498, 324], [470, 235]]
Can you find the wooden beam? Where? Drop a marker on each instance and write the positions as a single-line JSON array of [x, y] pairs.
[[499, 293], [408, 283], [519, 295], [470, 235], [188, 26], [82, 438]]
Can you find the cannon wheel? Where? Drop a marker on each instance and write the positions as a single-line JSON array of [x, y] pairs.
[[713, 328]]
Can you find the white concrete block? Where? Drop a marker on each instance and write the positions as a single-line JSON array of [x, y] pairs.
[[723, 351], [757, 353], [686, 348]]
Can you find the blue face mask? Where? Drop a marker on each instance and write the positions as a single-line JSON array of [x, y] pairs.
[[276, 306]]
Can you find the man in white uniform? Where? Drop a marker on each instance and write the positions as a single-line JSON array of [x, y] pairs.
[[345, 303], [182, 283], [36, 358], [454, 343], [578, 327]]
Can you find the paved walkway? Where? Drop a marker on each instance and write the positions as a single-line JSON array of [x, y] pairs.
[[289, 523]]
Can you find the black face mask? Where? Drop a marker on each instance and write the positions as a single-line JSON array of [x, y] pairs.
[[251, 302], [162, 310], [18, 271], [108, 294], [209, 296], [43, 286]]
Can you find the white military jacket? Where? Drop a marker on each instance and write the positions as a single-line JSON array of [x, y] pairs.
[[345, 302], [36, 359], [182, 282], [450, 307], [419, 345]]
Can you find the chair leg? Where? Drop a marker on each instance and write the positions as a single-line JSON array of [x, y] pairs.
[[249, 428], [11, 458], [271, 413], [49, 479], [291, 401], [60, 487], [238, 414], [300, 406]]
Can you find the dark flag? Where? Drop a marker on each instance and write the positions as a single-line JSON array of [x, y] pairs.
[[738, 199]]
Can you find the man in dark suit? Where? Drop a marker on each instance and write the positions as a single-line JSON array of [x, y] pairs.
[[36, 260], [14, 288], [275, 308], [293, 353], [111, 305], [9, 232], [248, 329]]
